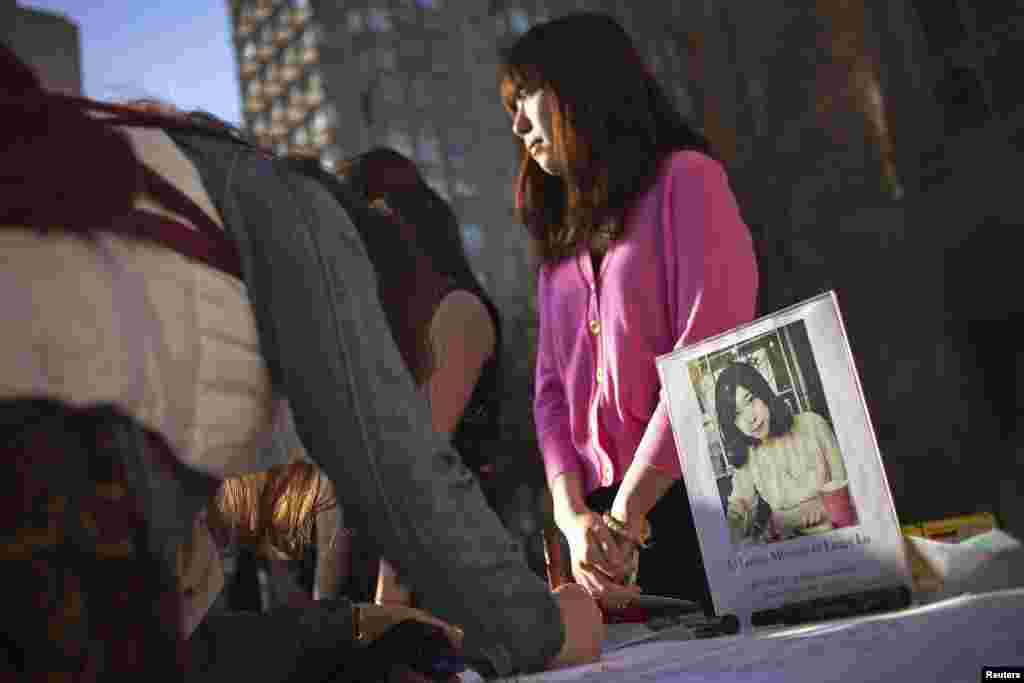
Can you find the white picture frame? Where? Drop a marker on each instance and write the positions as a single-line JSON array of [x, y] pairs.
[[759, 556]]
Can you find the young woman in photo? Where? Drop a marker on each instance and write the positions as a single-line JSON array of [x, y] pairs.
[[792, 462]]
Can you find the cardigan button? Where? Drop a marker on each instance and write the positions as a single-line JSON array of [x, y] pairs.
[[595, 327], [600, 375]]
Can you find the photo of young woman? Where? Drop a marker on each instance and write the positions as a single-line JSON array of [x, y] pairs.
[[789, 461]]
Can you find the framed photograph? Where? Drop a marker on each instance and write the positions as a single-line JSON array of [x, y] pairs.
[[781, 463]]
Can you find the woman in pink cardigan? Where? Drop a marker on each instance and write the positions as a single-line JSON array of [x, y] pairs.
[[642, 250]]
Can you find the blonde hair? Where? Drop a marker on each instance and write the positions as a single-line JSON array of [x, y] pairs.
[[272, 512]]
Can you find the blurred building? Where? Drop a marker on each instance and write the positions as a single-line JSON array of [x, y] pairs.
[[47, 41], [844, 126]]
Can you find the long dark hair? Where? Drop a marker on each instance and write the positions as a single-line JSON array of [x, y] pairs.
[[745, 375], [384, 174], [413, 239], [612, 126]]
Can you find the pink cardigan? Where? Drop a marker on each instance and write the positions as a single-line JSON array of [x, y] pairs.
[[684, 270]]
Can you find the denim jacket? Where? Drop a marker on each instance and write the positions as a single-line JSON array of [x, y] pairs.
[[329, 350]]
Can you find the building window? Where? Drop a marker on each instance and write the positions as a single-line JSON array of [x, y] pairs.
[[291, 54], [261, 10], [314, 89], [300, 137], [281, 148], [330, 157], [437, 183], [456, 154], [428, 147], [472, 239], [518, 21], [277, 110], [391, 89], [355, 20], [465, 189], [398, 139], [421, 92], [654, 61], [310, 37], [378, 20], [672, 56], [259, 126], [323, 119], [384, 58], [284, 21], [249, 50]]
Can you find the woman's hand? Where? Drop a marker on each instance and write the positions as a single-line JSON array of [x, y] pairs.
[[599, 559], [404, 645], [584, 627], [375, 620], [812, 512]]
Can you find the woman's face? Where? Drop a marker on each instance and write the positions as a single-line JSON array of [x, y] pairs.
[[531, 121], [752, 415]]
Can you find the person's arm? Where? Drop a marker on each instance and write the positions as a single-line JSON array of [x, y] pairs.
[[462, 338], [832, 470], [829, 447], [313, 642], [740, 508], [644, 487], [328, 346], [595, 558], [551, 406], [584, 627], [709, 261], [332, 558]]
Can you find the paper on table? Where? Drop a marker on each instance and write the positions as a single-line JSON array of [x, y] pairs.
[[956, 563]]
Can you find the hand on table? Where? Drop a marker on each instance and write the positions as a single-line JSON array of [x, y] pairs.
[[812, 512], [600, 560], [405, 645], [375, 620], [584, 627]]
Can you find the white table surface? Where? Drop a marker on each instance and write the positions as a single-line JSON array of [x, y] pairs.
[[945, 641]]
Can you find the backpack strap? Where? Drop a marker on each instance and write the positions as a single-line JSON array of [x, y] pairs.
[[45, 199], [209, 243], [219, 253]]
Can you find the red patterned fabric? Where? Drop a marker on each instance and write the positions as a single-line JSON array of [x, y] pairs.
[[85, 595]]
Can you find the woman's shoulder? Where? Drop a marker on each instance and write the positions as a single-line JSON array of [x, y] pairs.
[[689, 162], [463, 313], [808, 421]]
